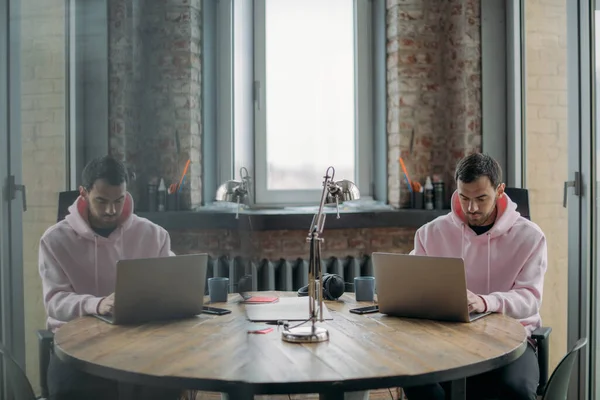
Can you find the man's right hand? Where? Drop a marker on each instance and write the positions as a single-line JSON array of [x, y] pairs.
[[106, 305]]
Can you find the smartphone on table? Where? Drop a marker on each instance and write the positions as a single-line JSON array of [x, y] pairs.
[[215, 310], [365, 310]]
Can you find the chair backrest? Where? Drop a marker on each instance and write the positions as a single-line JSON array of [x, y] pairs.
[[558, 384], [521, 197], [18, 384], [65, 199]]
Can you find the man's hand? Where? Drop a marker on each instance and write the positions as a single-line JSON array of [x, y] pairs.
[[106, 305], [475, 302]]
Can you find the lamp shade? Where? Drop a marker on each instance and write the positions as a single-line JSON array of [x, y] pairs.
[[343, 190], [230, 191]]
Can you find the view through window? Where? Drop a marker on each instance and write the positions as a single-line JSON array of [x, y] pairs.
[[310, 92]]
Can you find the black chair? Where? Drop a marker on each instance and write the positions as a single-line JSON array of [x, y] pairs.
[[542, 334], [558, 385], [65, 199], [45, 337], [521, 197], [17, 381]]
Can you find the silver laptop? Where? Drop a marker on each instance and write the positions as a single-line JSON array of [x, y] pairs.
[[154, 289], [422, 287]]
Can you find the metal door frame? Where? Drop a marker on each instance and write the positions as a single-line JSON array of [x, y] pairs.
[[581, 120], [12, 315]]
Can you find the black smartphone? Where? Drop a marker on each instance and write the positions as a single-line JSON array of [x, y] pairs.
[[215, 310], [365, 310]]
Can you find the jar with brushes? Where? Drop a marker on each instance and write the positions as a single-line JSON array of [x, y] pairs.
[[173, 197], [417, 195]]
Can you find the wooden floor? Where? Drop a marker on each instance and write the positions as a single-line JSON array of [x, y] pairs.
[[381, 394]]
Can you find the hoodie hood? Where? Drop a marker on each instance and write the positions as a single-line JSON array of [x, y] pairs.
[[78, 217], [507, 215]]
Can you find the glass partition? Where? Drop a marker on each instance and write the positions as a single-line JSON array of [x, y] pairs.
[[546, 152]]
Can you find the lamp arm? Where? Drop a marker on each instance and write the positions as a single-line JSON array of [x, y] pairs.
[[245, 188], [319, 218]]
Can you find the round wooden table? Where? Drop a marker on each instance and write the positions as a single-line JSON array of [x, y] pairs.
[[216, 353]]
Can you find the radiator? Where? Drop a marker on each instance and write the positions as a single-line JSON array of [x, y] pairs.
[[285, 275]]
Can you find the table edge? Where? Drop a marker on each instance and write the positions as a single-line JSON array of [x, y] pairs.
[[389, 381], [271, 388], [137, 378]]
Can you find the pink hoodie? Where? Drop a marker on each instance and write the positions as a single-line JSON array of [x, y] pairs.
[[505, 266], [78, 267]]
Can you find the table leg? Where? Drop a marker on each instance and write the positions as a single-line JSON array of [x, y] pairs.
[[457, 390], [339, 395], [126, 391], [237, 394], [331, 396]]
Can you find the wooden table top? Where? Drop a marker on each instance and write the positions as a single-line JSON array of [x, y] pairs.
[[214, 353]]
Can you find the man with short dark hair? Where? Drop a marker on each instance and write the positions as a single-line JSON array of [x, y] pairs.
[[505, 259], [77, 264]]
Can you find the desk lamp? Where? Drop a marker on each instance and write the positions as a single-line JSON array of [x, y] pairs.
[[235, 191], [333, 193]]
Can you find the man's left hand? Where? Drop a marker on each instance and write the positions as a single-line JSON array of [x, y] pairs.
[[475, 302]]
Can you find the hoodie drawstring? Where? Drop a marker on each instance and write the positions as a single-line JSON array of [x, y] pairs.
[[489, 261], [121, 244], [462, 246], [96, 263]]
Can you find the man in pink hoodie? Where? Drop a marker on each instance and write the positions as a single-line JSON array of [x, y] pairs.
[[77, 264], [505, 261]]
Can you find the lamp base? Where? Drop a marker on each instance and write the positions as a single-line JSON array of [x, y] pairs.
[[305, 334]]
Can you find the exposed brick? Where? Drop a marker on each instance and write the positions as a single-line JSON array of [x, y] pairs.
[[434, 87], [154, 92], [274, 245]]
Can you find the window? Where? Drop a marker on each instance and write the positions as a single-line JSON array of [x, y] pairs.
[[308, 103], [306, 110]]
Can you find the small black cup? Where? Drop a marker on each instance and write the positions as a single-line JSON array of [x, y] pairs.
[[172, 202], [416, 200]]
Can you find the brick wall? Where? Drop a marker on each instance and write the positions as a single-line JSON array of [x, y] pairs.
[[547, 152], [273, 245], [155, 92], [434, 89], [43, 139]]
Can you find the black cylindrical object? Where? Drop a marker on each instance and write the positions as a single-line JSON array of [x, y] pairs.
[[152, 197], [172, 202], [417, 199], [438, 195]]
